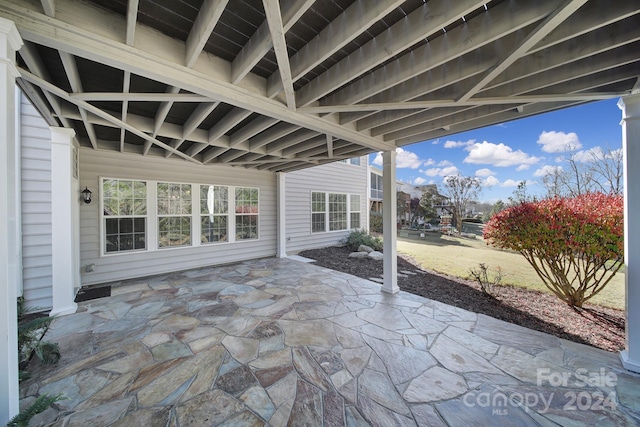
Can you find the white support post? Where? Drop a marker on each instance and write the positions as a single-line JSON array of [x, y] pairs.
[[281, 250], [10, 42], [64, 203], [389, 227], [630, 106]]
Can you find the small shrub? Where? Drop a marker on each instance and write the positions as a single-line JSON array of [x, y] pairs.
[[39, 405], [481, 276], [30, 332], [361, 237]]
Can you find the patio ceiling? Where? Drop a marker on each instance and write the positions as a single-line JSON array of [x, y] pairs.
[[292, 84]]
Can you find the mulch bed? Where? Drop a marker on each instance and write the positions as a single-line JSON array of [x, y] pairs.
[[593, 325]]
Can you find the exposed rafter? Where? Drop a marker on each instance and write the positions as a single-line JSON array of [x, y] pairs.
[[73, 76], [282, 85], [85, 106], [274, 19], [541, 31]]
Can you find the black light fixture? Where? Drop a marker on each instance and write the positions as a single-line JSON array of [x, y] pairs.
[[86, 195]]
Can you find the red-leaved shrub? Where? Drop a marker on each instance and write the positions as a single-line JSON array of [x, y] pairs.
[[575, 245]]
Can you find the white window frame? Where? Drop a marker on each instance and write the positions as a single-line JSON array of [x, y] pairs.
[[104, 218], [168, 215], [152, 217], [323, 212], [235, 214], [354, 211], [327, 211], [213, 214]]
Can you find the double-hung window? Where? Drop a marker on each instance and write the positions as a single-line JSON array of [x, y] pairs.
[[337, 212], [334, 211], [174, 214], [354, 206], [247, 211], [124, 204], [318, 212], [214, 211]]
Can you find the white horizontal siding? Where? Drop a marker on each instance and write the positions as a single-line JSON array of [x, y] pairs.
[[334, 177], [35, 146], [95, 164]]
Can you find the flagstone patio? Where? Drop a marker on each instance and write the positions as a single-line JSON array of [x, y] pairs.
[[283, 342]]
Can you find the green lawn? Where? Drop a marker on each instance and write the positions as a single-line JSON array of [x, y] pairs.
[[455, 256]]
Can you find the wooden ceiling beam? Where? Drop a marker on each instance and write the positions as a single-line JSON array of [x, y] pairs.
[[88, 108], [415, 27], [549, 24], [73, 76], [356, 19], [276, 28], [504, 19], [132, 20], [203, 26], [260, 43], [142, 60]]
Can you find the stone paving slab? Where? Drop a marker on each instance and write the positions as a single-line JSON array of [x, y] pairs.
[[281, 342]]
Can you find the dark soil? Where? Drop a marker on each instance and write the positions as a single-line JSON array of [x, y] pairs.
[[593, 325]]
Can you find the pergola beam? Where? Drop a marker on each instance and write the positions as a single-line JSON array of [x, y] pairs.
[[85, 106], [504, 19], [206, 21], [356, 19], [274, 20], [411, 105], [132, 19], [415, 27], [260, 43], [71, 68], [549, 24]]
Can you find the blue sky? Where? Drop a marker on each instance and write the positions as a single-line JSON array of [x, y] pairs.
[[505, 154]]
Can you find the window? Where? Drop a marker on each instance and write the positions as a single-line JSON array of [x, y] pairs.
[[351, 161], [246, 213], [181, 215], [174, 214], [214, 211], [355, 210], [124, 204], [318, 212], [376, 186], [337, 212]]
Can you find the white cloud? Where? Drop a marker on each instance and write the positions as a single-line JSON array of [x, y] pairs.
[[444, 163], [456, 144], [491, 181], [558, 142], [547, 170], [510, 183], [404, 159], [500, 155], [419, 181], [514, 183], [484, 172], [446, 171], [435, 142], [589, 155], [429, 162], [523, 167]]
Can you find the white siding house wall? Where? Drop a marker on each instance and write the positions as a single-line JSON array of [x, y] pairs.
[[36, 206], [96, 164], [335, 177]]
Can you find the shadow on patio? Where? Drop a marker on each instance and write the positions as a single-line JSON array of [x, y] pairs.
[[283, 342]]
